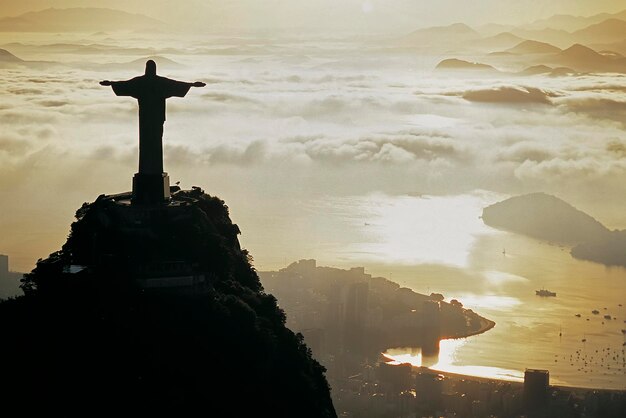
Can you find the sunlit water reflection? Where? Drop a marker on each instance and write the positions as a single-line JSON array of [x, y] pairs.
[[446, 361], [440, 244], [412, 230]]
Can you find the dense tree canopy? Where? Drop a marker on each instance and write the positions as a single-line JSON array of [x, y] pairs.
[[90, 339]]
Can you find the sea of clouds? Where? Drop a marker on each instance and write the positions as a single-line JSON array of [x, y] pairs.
[[284, 123]]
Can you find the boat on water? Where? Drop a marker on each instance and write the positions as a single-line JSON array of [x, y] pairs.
[[624, 331], [545, 293], [595, 312], [577, 315], [607, 316]]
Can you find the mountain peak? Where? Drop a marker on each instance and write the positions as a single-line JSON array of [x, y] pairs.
[[582, 58], [506, 35], [579, 50], [534, 47], [461, 27], [502, 40], [610, 23]]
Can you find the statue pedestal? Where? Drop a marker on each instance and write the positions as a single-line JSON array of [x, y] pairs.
[[151, 189]]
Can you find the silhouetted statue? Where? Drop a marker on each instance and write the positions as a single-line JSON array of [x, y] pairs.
[[151, 184]]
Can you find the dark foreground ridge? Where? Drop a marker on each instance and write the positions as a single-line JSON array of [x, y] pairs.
[[155, 309]]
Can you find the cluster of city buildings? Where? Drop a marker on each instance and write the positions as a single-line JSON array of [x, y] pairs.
[[342, 315], [341, 311], [401, 390]]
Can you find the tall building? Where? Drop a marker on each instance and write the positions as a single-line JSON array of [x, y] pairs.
[[431, 329], [395, 377], [536, 388], [428, 391], [356, 303], [9, 280], [4, 266], [354, 318]]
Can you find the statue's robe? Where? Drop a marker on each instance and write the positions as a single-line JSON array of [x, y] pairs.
[[151, 92]]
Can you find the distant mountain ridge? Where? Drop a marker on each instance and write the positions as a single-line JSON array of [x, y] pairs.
[[534, 47], [86, 19], [573, 23], [440, 35], [605, 31], [583, 58], [575, 58], [499, 41], [9, 60]]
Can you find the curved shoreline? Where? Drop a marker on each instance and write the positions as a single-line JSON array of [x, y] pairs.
[[488, 324], [461, 376], [485, 325]]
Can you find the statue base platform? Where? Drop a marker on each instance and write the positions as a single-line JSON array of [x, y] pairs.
[[151, 189]]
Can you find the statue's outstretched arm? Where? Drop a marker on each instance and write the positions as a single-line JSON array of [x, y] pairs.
[[106, 83], [198, 84]]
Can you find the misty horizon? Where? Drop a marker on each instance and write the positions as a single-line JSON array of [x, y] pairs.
[[351, 16]]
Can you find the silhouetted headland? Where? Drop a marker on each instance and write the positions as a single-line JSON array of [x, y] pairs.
[[155, 309], [361, 314], [548, 218]]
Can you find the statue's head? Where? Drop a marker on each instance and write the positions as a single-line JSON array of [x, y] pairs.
[[150, 67]]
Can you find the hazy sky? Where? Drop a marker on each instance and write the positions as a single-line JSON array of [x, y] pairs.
[[351, 14]]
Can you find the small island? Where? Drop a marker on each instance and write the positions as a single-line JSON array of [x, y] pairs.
[[454, 64], [548, 218]]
